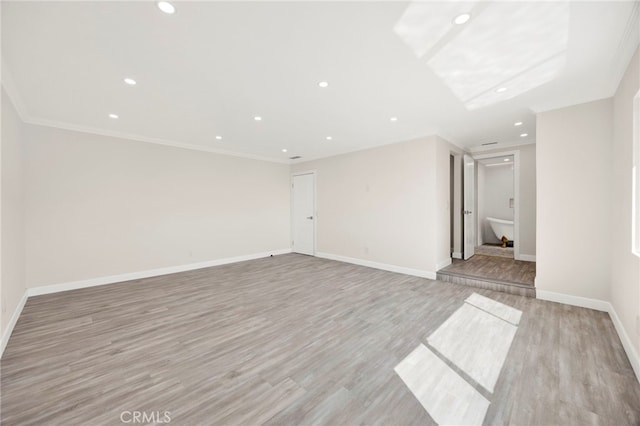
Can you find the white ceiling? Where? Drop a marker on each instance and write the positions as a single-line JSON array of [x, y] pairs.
[[211, 67]]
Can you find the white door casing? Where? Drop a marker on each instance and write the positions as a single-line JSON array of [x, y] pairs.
[[468, 206], [303, 213]]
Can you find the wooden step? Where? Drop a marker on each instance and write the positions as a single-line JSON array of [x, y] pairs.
[[487, 283]]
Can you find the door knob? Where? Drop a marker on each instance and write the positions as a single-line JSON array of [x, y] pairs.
[[310, 217]]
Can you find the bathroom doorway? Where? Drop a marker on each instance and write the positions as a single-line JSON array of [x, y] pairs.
[[497, 204], [495, 195], [492, 197]]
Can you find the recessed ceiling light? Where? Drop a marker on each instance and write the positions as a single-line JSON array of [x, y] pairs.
[[524, 135], [166, 7], [284, 149], [257, 118], [329, 138], [393, 119], [323, 84], [114, 116], [219, 138], [130, 81], [501, 89], [518, 123], [463, 18], [506, 159]]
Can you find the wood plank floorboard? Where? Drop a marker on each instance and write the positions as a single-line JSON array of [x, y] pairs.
[[494, 250], [293, 340], [494, 267]]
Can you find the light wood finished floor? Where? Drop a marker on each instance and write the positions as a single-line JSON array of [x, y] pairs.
[[494, 250], [494, 268], [293, 340]]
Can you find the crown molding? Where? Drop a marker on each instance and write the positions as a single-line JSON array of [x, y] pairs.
[[158, 141], [365, 148]]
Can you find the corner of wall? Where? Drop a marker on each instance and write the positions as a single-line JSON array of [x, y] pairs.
[[603, 306], [12, 256], [6, 333]]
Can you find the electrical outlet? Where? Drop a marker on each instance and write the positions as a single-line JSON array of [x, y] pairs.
[[366, 250]]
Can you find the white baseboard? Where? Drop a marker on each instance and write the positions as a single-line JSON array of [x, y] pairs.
[[111, 279], [527, 257], [599, 305], [443, 264], [627, 344], [12, 323], [456, 255], [567, 299], [376, 265]]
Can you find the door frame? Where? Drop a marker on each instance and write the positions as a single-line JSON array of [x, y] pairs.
[[456, 206], [315, 208], [473, 220], [516, 194]]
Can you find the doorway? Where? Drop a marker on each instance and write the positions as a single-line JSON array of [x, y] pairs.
[[491, 207], [495, 206], [497, 201], [469, 205], [455, 205], [508, 273], [303, 213]]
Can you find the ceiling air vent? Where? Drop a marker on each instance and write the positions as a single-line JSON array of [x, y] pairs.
[[295, 157], [489, 143]]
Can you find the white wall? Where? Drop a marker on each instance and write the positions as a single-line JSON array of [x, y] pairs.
[[528, 200], [12, 252], [625, 267], [494, 195], [98, 206], [574, 160], [383, 204]]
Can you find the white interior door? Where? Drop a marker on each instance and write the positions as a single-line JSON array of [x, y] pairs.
[[469, 209], [303, 213]]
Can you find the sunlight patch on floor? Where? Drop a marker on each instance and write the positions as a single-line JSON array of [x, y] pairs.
[[476, 339], [447, 397], [498, 309]]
